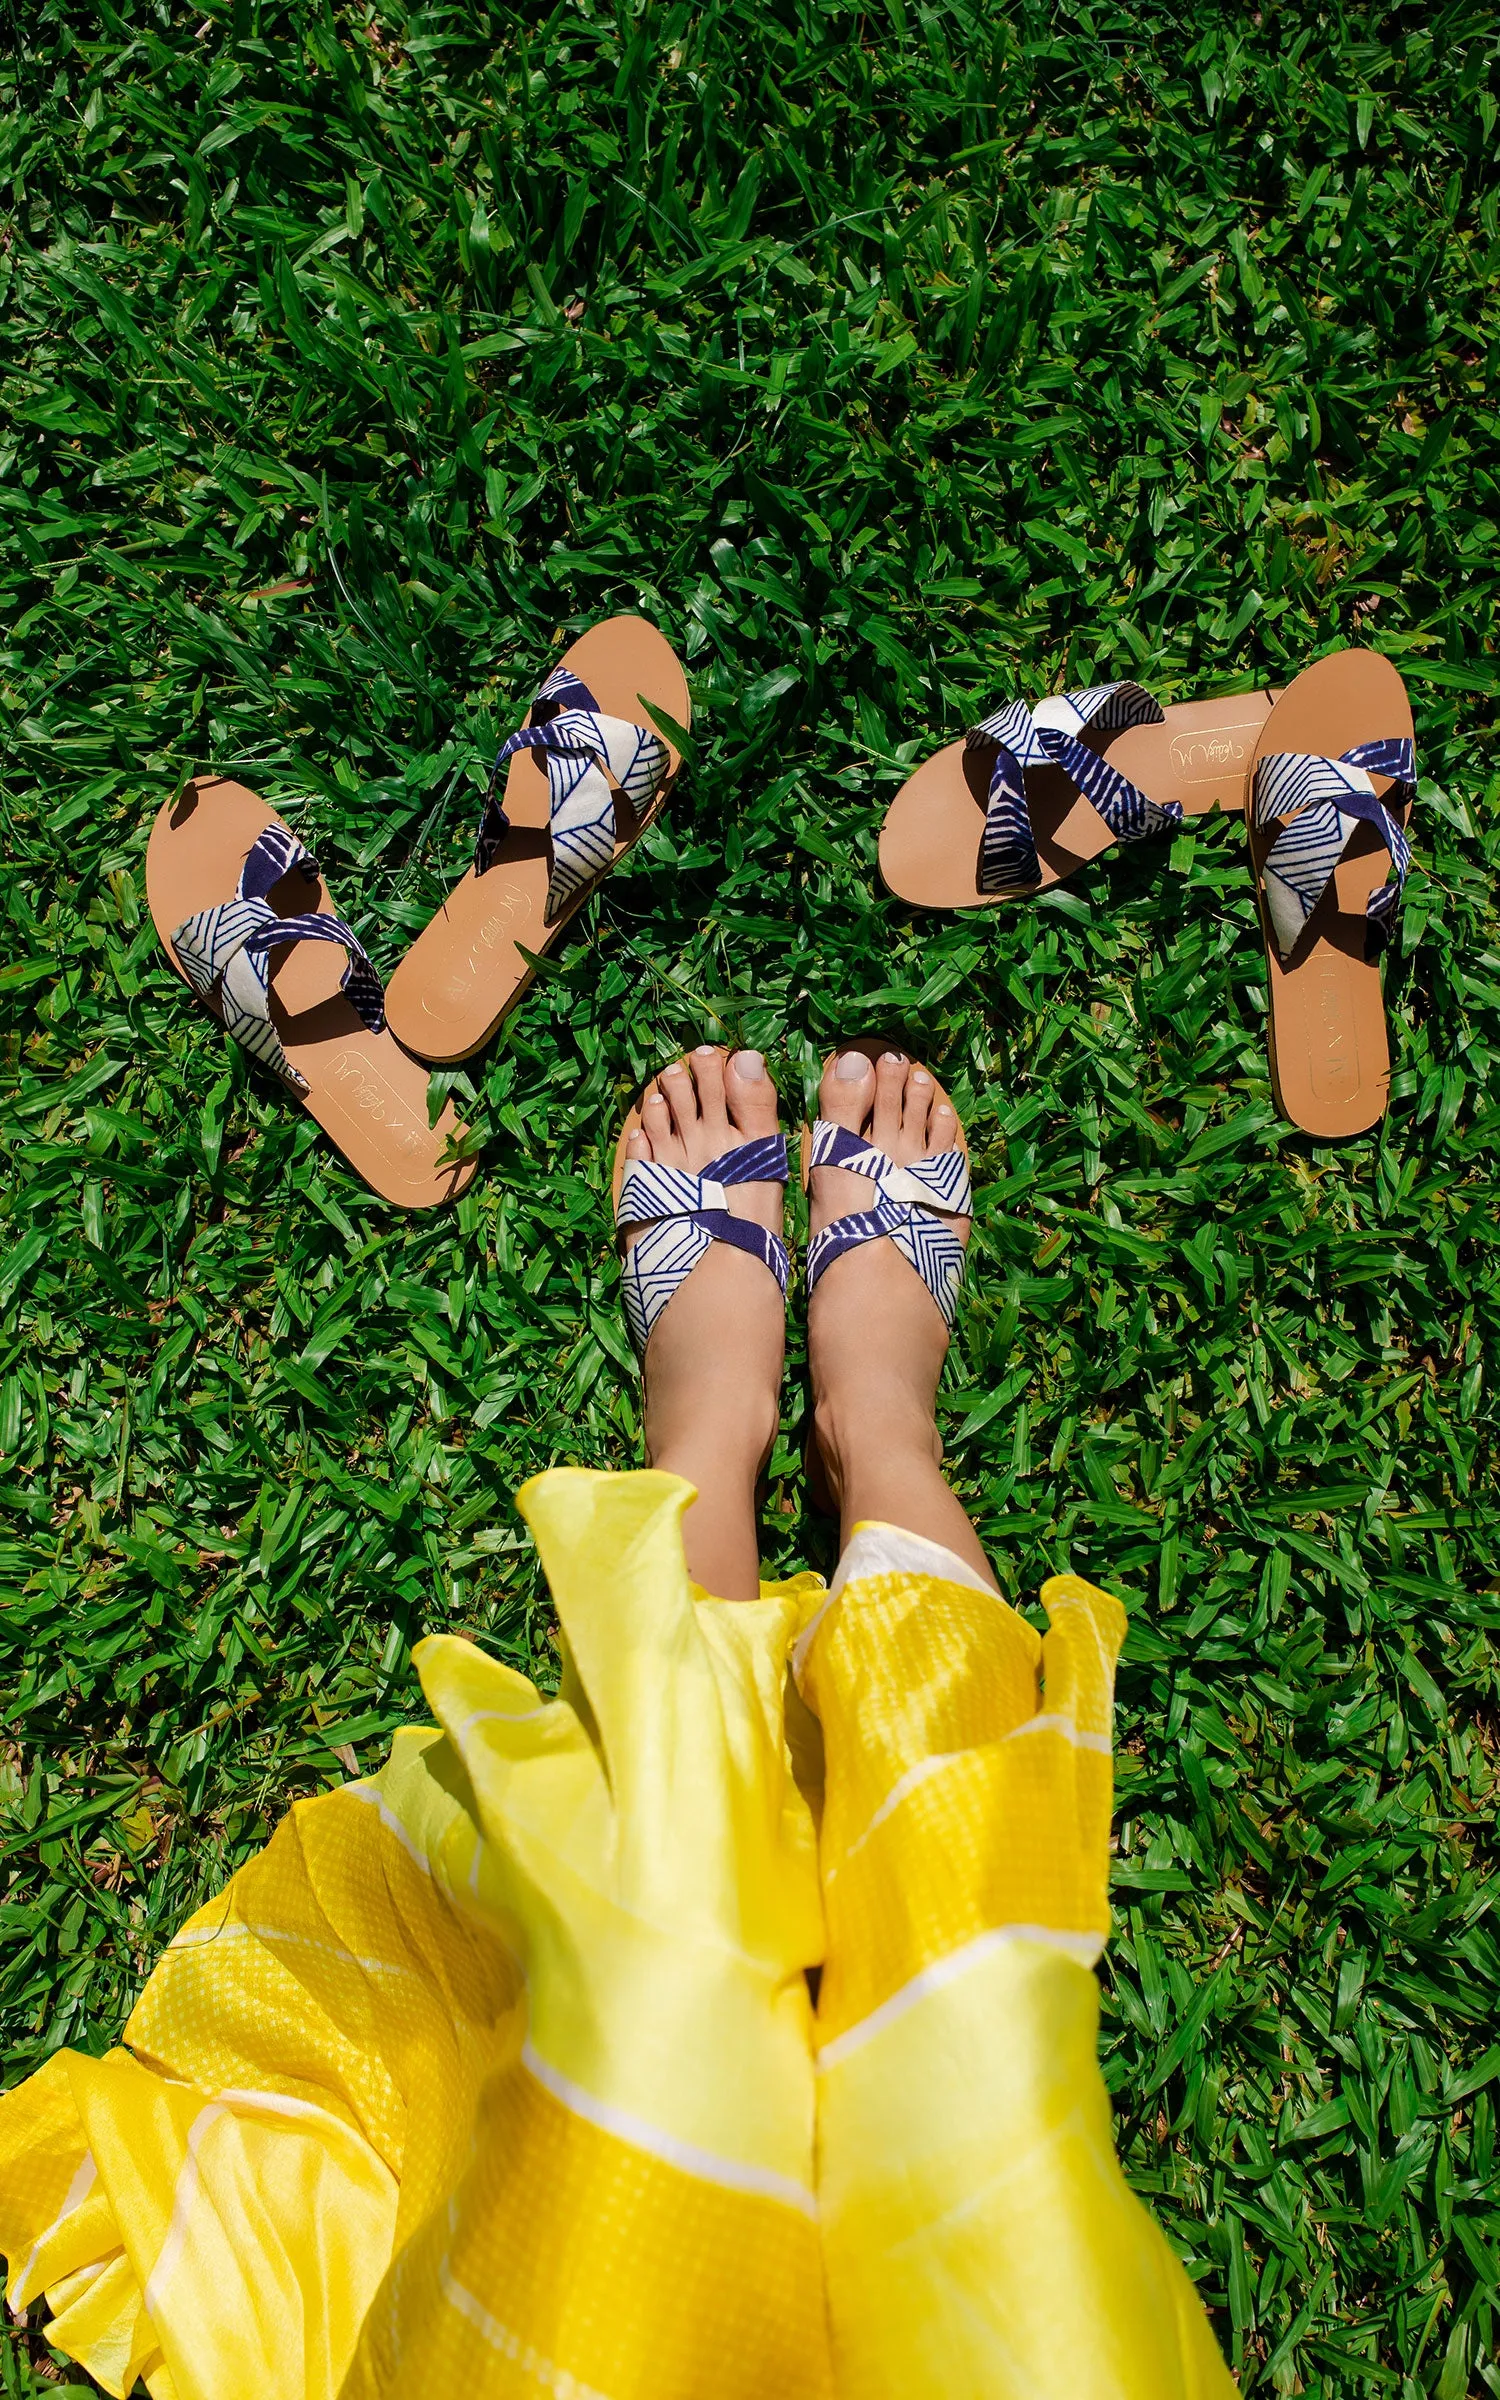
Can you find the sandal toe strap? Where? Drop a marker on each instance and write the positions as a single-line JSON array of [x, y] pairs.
[[1053, 734], [677, 1216], [1320, 803], [226, 953], [911, 1205], [586, 756]]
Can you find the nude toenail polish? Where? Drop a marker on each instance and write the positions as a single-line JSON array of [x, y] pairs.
[[919, 1076], [705, 1050], [892, 1058], [751, 1066], [851, 1066]]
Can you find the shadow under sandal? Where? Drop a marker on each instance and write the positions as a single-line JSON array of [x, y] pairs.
[[1333, 783], [1028, 796], [245, 918], [583, 780], [680, 1214]]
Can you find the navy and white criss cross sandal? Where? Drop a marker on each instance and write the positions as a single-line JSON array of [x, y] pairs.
[[677, 1215], [571, 791], [915, 1207], [1031, 793], [1333, 783], [245, 918]]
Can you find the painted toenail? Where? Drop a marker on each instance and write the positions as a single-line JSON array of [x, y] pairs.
[[705, 1050], [677, 1069], [750, 1066], [852, 1066], [919, 1075], [892, 1058]]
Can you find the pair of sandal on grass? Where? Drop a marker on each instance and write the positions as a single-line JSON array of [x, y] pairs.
[[246, 918], [1324, 773]]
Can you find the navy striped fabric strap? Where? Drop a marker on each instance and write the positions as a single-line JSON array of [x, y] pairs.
[[1069, 731], [910, 1207], [679, 1214], [226, 952], [1320, 803], [586, 757]]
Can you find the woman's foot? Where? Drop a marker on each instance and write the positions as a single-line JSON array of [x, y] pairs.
[[876, 1337], [712, 1368]]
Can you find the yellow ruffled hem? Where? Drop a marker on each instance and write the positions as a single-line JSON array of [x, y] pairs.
[[498, 2072]]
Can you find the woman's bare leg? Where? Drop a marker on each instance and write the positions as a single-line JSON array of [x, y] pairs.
[[713, 1363], [876, 1336]]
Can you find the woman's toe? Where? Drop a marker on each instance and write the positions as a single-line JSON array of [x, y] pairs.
[[638, 1145], [942, 1129], [916, 1108], [682, 1099], [667, 1145], [750, 1095], [891, 1072], [847, 1091], [707, 1065]]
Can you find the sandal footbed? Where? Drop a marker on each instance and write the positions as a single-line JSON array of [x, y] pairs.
[[1329, 1048]]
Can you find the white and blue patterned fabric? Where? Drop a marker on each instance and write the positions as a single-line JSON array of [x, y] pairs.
[[1319, 802], [906, 1210], [681, 1214], [576, 743], [225, 952], [1051, 734]]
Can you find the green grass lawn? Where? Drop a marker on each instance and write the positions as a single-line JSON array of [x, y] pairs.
[[895, 360]]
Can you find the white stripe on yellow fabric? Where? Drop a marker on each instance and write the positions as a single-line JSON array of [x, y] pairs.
[[878, 1549], [924, 1769], [367, 1793], [86, 2175], [182, 2208], [501, 1716], [1069, 1729], [1085, 1948], [194, 1938], [731, 2174], [544, 2371]]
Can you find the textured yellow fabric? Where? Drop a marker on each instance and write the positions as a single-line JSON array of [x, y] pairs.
[[497, 2073], [978, 2235]]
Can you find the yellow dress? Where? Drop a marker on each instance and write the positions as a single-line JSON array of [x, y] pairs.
[[497, 2073]]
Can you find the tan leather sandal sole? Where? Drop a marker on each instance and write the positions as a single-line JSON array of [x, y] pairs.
[[929, 844], [369, 1097], [1329, 1048], [468, 967]]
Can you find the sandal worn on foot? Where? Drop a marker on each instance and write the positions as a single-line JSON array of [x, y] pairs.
[[680, 1213], [244, 917], [910, 1206], [1333, 782], [1028, 796], [583, 781]]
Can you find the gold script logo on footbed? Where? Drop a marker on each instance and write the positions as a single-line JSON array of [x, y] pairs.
[[1204, 757], [511, 908]]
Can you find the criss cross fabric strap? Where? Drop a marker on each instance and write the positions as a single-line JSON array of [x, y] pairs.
[[910, 1206], [1053, 734], [586, 755], [1320, 803], [225, 952], [680, 1214]]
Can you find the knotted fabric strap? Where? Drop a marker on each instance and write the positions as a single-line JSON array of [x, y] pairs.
[[1051, 734], [226, 952], [905, 1210], [683, 1213], [577, 743], [1318, 803]]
